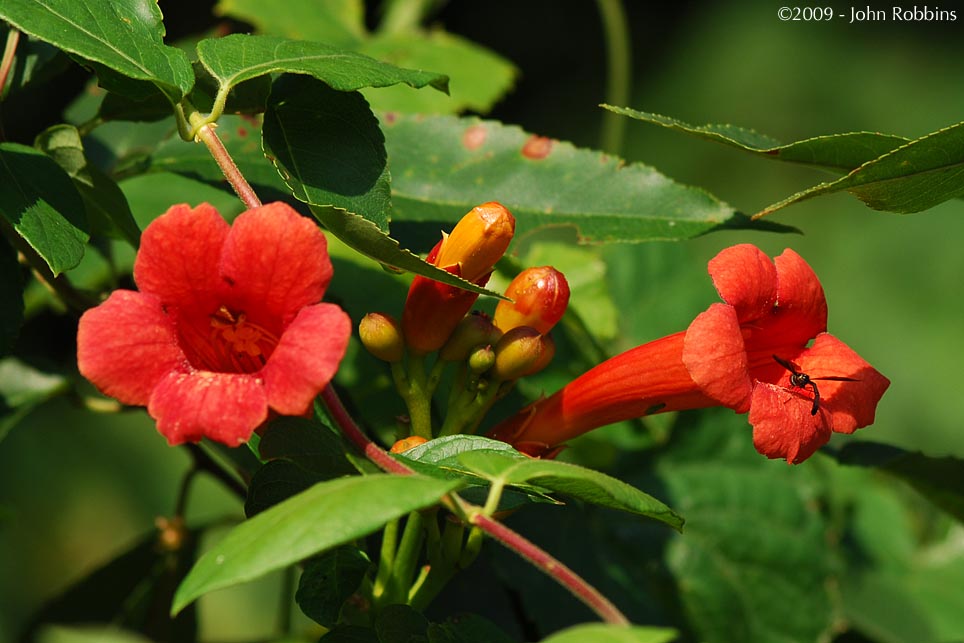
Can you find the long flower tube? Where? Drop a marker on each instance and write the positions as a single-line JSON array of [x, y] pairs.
[[763, 351]]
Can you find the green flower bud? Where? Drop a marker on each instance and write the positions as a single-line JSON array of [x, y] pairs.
[[481, 359], [473, 331], [520, 352], [382, 336]]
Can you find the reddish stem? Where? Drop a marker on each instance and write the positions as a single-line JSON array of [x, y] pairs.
[[511, 539], [6, 63], [209, 137], [354, 433]]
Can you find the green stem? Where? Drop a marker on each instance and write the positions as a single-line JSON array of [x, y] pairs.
[[285, 600], [417, 398], [404, 15], [619, 66], [406, 560], [470, 406], [9, 53], [386, 560], [442, 567]]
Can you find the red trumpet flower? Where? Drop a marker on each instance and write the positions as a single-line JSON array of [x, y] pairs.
[[226, 324], [752, 353]]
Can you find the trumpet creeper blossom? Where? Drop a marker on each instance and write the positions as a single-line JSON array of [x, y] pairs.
[[226, 324], [764, 351]]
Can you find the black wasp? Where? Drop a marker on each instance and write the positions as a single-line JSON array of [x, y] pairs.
[[802, 380]]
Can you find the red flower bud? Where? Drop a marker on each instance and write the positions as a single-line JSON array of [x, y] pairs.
[[539, 298], [433, 310]]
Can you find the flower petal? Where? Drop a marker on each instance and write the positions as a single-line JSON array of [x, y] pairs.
[[275, 261], [644, 380], [852, 405], [178, 257], [801, 303], [306, 358], [225, 407], [783, 426], [746, 279], [715, 357], [126, 345]]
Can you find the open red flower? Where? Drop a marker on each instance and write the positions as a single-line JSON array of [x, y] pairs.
[[226, 324], [752, 353]]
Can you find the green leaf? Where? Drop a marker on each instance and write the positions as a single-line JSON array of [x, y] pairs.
[[328, 148], [440, 458], [106, 207], [479, 76], [11, 299], [236, 58], [400, 624], [273, 483], [443, 166], [350, 634], [322, 517], [914, 177], [467, 628], [336, 162], [754, 563], [572, 480], [340, 23], [23, 388], [124, 39], [446, 451], [308, 444], [940, 480], [39, 200], [601, 633], [836, 151], [328, 581]]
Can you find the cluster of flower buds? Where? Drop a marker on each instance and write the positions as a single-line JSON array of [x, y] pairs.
[[490, 351]]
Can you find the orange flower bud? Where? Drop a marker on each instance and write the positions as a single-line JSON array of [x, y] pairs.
[[382, 337], [478, 241], [521, 351], [433, 310], [408, 443], [473, 331], [539, 298]]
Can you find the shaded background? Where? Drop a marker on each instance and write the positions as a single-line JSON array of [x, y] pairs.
[[76, 489]]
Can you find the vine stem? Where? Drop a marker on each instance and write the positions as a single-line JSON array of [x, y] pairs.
[[619, 71], [542, 559], [59, 285], [242, 188], [204, 462]]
